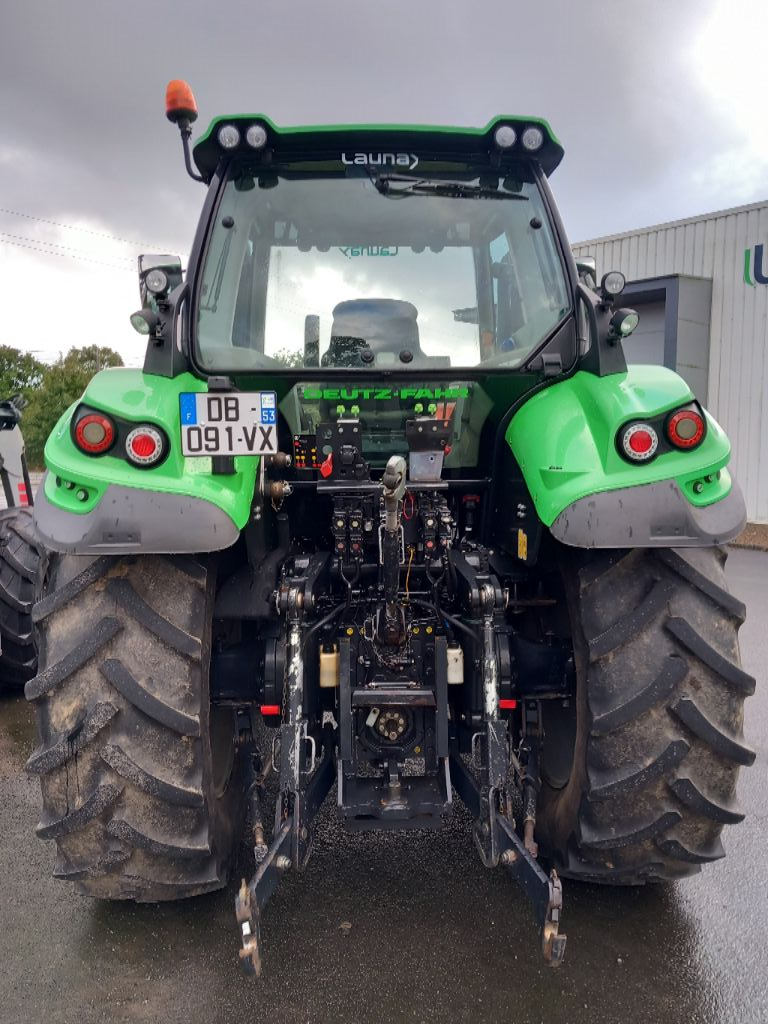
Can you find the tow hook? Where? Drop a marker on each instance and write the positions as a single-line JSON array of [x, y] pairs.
[[497, 842], [552, 944], [250, 954], [544, 892]]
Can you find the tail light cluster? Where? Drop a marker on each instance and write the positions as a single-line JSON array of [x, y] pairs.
[[686, 428], [680, 430], [96, 433]]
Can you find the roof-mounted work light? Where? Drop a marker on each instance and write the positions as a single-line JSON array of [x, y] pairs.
[[532, 139], [181, 109], [505, 136], [256, 136], [228, 136]]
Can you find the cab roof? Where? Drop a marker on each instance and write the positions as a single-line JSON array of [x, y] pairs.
[[329, 141]]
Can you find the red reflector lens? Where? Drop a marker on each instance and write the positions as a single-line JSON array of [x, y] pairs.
[[145, 445], [685, 429], [270, 709], [639, 442], [507, 705], [94, 433]]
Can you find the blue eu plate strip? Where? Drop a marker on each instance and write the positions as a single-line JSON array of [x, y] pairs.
[[268, 407], [188, 409]]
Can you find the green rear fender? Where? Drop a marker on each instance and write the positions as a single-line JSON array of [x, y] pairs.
[[103, 503], [564, 439]]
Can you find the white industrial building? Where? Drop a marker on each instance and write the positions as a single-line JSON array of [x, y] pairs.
[[701, 288]]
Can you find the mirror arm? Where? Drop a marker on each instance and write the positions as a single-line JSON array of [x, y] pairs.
[[185, 130], [164, 355]]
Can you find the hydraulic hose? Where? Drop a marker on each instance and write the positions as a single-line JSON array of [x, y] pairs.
[[450, 619], [328, 617]]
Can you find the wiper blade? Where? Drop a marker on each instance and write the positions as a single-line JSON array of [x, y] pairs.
[[395, 185], [211, 302]]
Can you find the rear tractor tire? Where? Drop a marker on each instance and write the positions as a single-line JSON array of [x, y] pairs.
[[141, 778], [19, 570], [658, 737]]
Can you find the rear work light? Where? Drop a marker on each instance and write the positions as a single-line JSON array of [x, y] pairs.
[[94, 433], [145, 445], [532, 139], [685, 428], [256, 136], [638, 442], [505, 136], [229, 137]]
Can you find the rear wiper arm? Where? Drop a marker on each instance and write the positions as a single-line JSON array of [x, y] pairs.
[[408, 186]]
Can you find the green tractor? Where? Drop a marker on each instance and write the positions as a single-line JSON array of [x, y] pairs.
[[385, 512]]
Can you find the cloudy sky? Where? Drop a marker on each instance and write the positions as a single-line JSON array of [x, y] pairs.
[[660, 105]]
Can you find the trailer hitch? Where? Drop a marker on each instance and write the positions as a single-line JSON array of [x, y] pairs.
[[498, 843]]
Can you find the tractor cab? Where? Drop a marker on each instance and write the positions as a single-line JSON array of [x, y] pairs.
[[348, 267]]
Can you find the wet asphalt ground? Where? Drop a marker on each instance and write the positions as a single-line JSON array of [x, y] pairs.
[[434, 936]]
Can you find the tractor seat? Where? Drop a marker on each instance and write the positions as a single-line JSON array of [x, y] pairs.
[[385, 328]]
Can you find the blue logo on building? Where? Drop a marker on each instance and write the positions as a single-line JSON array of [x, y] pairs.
[[754, 266]]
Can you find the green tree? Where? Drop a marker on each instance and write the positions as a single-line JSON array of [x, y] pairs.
[[289, 358], [63, 383], [91, 359], [20, 372]]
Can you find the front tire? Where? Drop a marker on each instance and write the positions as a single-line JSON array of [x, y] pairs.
[[658, 740], [141, 778]]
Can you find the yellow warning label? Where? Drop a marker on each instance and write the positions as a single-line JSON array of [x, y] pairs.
[[522, 545]]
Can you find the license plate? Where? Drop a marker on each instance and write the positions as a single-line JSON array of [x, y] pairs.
[[232, 423]]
